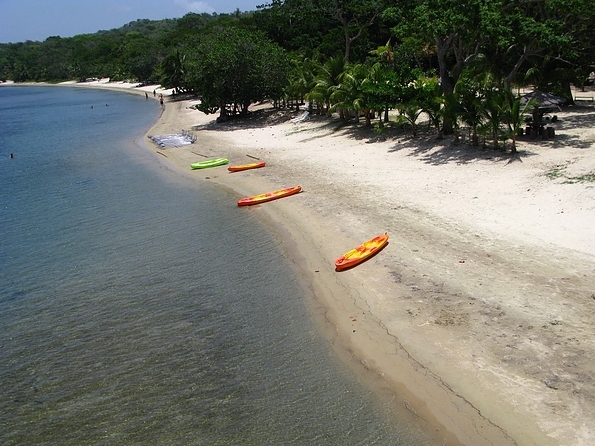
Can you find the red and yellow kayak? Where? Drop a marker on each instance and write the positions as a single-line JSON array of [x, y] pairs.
[[361, 253], [262, 198], [246, 166]]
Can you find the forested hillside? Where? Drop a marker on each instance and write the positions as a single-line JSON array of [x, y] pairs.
[[457, 62]]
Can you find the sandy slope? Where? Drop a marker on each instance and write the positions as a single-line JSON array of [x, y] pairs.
[[479, 314]]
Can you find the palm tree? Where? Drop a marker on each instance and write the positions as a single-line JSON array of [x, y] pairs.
[[350, 95], [301, 80], [453, 109], [326, 81], [298, 85], [471, 112], [431, 101], [409, 112], [382, 88], [494, 106], [173, 71], [513, 114], [386, 54]]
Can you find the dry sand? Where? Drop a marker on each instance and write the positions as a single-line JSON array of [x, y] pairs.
[[478, 316]]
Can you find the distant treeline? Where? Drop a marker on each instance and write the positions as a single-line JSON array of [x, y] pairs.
[[339, 55]]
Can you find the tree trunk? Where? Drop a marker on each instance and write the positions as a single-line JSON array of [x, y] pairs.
[[474, 138], [446, 81], [222, 112], [347, 44], [345, 24]]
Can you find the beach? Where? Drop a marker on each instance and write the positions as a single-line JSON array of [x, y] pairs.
[[478, 316]]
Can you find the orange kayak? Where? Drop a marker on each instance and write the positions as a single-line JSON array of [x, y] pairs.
[[361, 253], [262, 198], [246, 166]]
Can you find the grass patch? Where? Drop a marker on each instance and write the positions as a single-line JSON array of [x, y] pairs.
[[556, 172], [587, 178]]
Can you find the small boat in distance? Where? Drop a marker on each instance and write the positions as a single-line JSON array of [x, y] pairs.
[[263, 198], [246, 166], [209, 163], [361, 253]]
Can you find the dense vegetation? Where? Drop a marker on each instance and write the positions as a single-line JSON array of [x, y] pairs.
[[454, 61]]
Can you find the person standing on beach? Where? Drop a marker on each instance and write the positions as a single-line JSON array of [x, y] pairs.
[[146, 96], [161, 99]]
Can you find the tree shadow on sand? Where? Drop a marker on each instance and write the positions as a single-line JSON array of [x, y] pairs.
[[431, 150], [566, 135], [425, 145], [434, 151], [254, 119], [576, 116]]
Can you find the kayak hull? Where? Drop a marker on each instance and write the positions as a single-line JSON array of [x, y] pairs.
[[209, 163], [246, 166], [269, 196], [361, 253]]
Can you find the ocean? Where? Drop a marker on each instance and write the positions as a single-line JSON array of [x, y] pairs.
[[138, 307]]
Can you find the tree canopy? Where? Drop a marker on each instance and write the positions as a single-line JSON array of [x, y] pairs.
[[232, 68], [349, 57]]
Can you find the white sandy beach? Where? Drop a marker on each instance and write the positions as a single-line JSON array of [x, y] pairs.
[[478, 316]]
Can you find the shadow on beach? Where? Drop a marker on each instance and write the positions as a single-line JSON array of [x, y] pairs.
[[425, 145], [254, 119], [438, 152], [567, 130]]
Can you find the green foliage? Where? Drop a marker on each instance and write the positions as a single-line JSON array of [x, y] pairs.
[[494, 106], [556, 172], [514, 114], [409, 113], [302, 77], [454, 62], [560, 172], [141, 56], [430, 100], [133, 51], [233, 68], [382, 88], [350, 94], [349, 26], [173, 72], [468, 100], [587, 178], [327, 80], [507, 39], [297, 25]]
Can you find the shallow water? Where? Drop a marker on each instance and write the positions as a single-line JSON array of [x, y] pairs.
[[137, 307]]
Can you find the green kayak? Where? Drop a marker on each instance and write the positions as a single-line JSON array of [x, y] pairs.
[[209, 163]]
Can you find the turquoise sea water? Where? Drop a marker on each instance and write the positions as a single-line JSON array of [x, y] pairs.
[[137, 307]]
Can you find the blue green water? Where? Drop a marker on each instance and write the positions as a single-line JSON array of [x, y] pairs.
[[137, 307]]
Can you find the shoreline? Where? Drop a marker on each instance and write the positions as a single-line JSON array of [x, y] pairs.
[[422, 351], [478, 315]]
